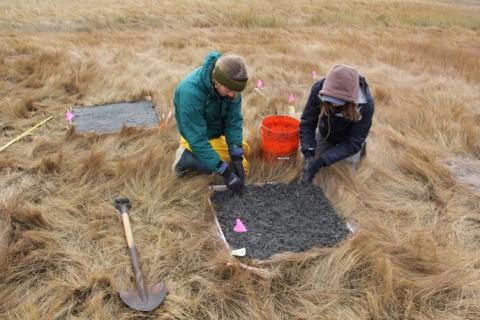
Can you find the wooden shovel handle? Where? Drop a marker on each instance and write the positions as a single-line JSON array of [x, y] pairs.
[[134, 255], [128, 230]]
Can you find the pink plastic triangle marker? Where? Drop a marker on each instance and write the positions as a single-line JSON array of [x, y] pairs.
[[239, 226]]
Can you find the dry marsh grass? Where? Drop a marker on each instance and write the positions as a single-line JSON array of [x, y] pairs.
[[62, 249]]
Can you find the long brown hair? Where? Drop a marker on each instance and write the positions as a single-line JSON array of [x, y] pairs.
[[348, 110]]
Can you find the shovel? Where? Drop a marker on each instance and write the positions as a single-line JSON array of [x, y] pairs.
[[141, 298]]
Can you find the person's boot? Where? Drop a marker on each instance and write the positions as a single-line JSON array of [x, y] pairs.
[[189, 165]]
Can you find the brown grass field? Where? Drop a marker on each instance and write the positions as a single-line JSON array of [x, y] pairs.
[[416, 197]]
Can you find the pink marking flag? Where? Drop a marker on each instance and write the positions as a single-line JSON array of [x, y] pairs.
[[314, 74], [291, 98], [260, 84], [69, 116], [239, 226]]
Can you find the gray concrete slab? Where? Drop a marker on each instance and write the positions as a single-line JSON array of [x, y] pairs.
[[110, 118]]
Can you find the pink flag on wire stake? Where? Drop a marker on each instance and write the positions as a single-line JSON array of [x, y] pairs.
[[260, 84], [239, 226], [291, 98], [69, 116], [314, 75]]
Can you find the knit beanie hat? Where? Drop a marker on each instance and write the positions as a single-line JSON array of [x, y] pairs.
[[341, 85], [231, 72]]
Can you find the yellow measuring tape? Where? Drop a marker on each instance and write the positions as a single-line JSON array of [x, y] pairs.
[[25, 133]]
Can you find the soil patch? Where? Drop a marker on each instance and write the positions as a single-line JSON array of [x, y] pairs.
[[278, 218], [110, 118]]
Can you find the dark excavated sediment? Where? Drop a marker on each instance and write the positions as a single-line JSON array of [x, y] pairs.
[[279, 218]]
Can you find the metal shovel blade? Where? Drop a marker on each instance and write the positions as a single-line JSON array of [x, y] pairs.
[[155, 296]]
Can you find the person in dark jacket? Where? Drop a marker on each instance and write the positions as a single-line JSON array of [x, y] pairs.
[[207, 110], [336, 120]]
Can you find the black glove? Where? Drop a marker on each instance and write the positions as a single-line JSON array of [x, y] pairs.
[[307, 163], [312, 167], [232, 181], [239, 170], [236, 154], [309, 155]]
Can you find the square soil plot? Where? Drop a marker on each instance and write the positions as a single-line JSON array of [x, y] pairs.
[[278, 218], [110, 118]]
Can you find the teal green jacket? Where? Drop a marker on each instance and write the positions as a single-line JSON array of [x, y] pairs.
[[202, 114]]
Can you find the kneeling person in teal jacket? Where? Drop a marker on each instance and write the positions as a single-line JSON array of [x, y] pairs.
[[208, 113]]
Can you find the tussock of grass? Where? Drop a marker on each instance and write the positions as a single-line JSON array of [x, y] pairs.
[[62, 249]]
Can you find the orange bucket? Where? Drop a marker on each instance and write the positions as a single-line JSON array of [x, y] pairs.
[[279, 137]]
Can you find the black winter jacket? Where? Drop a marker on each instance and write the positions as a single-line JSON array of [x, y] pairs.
[[346, 136]]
